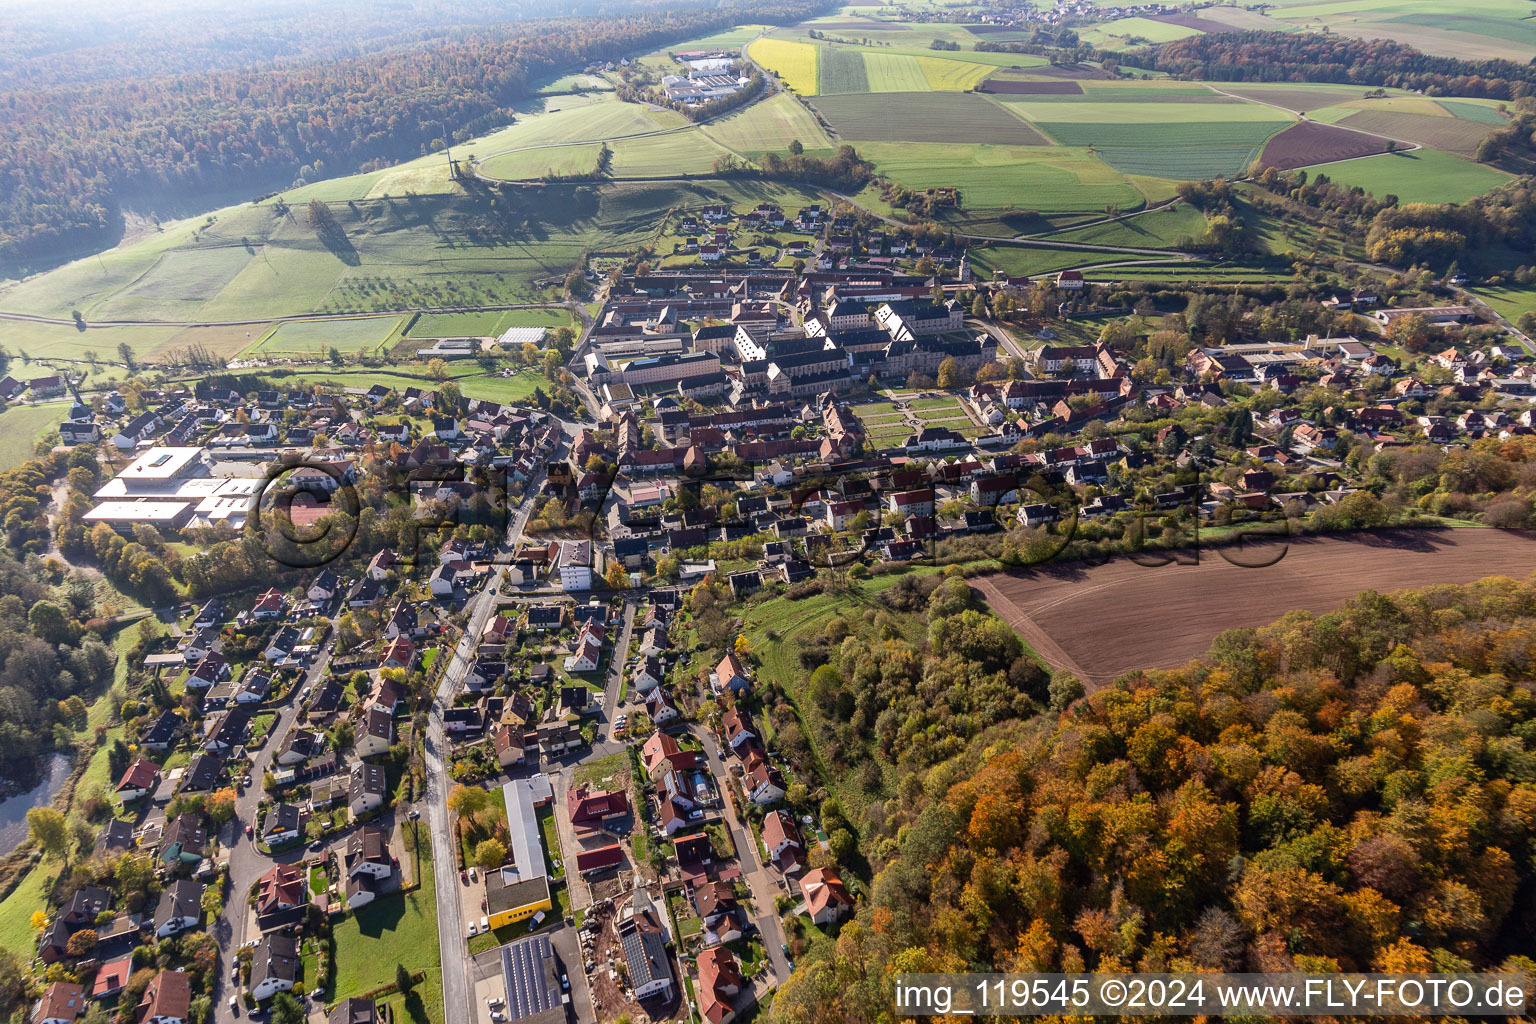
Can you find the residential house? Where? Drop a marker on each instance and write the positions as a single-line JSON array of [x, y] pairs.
[[376, 733], [509, 744], [138, 781], [183, 840], [180, 908], [719, 983], [368, 788], [737, 730], [730, 675], [283, 888], [61, 1003], [826, 899], [782, 840], [284, 824], [167, 999], [274, 965], [367, 853]]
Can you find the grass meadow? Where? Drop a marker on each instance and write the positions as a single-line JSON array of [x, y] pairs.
[[1422, 176]]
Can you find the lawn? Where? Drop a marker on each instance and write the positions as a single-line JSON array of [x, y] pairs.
[[16, 910], [315, 337], [1422, 176], [472, 381], [794, 63], [22, 425], [1510, 300], [391, 930], [945, 117]]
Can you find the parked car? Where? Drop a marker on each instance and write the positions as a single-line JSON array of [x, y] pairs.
[[474, 929], [463, 877], [248, 832], [234, 1005]]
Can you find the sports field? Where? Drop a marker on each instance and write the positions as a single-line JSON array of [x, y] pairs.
[[484, 325], [1422, 176], [925, 117]]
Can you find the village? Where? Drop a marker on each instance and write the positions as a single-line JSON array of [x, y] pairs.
[[510, 701]]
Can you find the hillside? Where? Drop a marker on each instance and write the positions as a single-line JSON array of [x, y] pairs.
[[1347, 791]]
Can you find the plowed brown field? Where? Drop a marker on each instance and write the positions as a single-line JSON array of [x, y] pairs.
[[1102, 622]]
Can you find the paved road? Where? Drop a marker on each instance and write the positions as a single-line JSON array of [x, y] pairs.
[[762, 885], [245, 863], [457, 1002]]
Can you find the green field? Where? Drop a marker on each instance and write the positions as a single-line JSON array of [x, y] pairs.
[[1473, 112], [1510, 300], [841, 70], [1422, 176], [1471, 29], [22, 425], [542, 161], [315, 337], [393, 930], [1049, 179], [471, 380], [925, 117], [1152, 230], [1112, 34], [1169, 118], [484, 325], [1201, 151], [769, 126], [179, 284]]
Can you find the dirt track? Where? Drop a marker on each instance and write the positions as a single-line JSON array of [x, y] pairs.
[[1101, 622]]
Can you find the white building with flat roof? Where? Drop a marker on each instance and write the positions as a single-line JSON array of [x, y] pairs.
[[523, 798], [123, 516]]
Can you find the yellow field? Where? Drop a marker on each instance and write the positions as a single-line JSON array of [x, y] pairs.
[[952, 75], [795, 63]]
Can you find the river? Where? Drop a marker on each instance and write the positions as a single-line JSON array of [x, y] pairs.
[[13, 811]]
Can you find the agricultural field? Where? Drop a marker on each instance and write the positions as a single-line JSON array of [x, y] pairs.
[[1469, 111], [542, 161], [1291, 96], [664, 156], [1193, 151], [1134, 32], [316, 337], [1451, 134], [1171, 116], [1510, 300], [1420, 176], [925, 117], [1152, 230], [769, 126], [794, 63], [1049, 180], [1470, 29], [428, 250], [1164, 617], [842, 70], [179, 284], [1312, 143]]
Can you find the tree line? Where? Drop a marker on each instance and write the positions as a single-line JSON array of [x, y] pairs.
[[1350, 791]]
